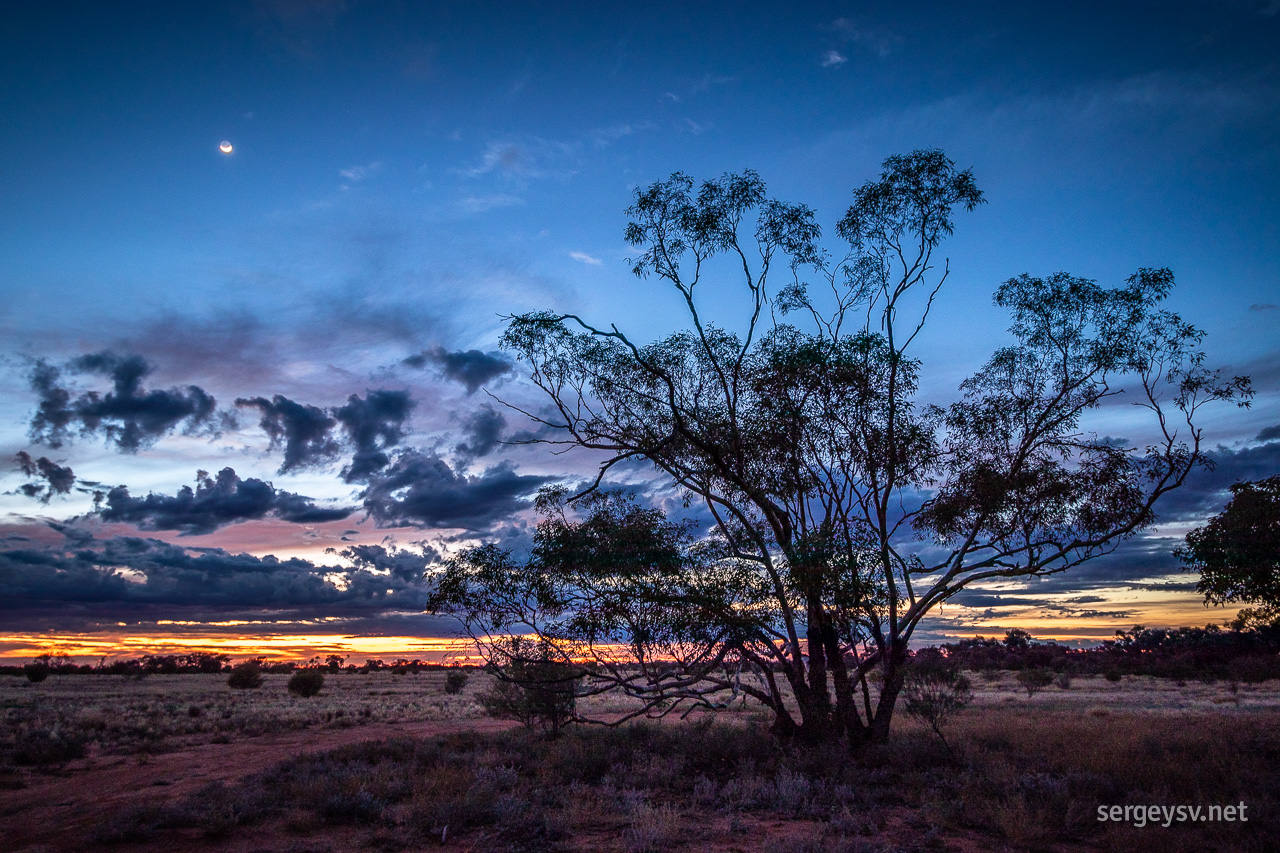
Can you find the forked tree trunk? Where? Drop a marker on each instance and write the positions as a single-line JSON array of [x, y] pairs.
[[824, 724]]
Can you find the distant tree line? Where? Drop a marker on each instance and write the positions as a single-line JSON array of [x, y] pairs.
[[1237, 652], [204, 662], [1211, 652]]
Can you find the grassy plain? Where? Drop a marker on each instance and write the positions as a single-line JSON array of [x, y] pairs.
[[391, 762]]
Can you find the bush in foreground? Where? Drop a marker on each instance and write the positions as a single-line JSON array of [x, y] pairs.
[[935, 691], [246, 675], [47, 747], [306, 682], [1035, 680], [455, 681]]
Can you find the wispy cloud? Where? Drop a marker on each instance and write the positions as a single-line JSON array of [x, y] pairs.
[[1264, 306], [355, 174], [607, 135], [480, 204], [833, 59], [584, 258], [526, 158], [864, 37]]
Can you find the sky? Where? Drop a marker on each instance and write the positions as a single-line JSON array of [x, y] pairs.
[[303, 334]]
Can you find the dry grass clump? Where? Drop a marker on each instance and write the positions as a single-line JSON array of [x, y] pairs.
[[1039, 780]]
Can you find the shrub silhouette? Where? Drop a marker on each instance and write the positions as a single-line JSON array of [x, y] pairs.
[[36, 672], [246, 675], [455, 681], [532, 687], [306, 682], [47, 747], [935, 690], [1035, 680]]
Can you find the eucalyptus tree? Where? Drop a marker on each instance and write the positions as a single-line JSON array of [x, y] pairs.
[[845, 509], [1237, 552]]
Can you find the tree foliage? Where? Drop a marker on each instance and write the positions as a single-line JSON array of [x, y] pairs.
[[534, 685], [845, 509], [1238, 552]]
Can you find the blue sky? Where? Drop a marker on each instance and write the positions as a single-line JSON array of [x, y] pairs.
[[403, 174]]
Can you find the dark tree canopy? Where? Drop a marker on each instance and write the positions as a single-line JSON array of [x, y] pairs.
[[845, 509], [1238, 552]]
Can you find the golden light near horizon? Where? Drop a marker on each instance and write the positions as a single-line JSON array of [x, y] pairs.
[[226, 147], [86, 648]]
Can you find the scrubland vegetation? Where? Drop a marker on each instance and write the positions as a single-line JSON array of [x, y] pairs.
[[1016, 780], [1015, 772], [65, 716]]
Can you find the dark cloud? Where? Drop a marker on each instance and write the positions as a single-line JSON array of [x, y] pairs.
[[125, 573], [408, 566], [128, 416], [1207, 490], [373, 425], [1271, 433], [303, 431], [54, 414], [213, 504], [1266, 306], [421, 489], [58, 479], [471, 367], [483, 432], [1166, 586]]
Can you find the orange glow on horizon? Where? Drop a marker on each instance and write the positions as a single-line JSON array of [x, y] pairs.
[[1119, 609], [91, 647]]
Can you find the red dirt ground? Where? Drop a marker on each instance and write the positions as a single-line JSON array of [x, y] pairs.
[[57, 812]]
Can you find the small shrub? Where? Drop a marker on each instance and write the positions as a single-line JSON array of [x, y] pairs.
[[306, 682], [455, 681], [1035, 680], [246, 675], [52, 747], [935, 690], [1112, 675], [533, 688], [652, 829], [36, 672], [1063, 680]]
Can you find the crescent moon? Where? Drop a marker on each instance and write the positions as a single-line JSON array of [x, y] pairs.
[[226, 148]]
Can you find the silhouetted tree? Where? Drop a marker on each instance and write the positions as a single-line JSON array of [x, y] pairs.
[[1238, 552], [846, 510]]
